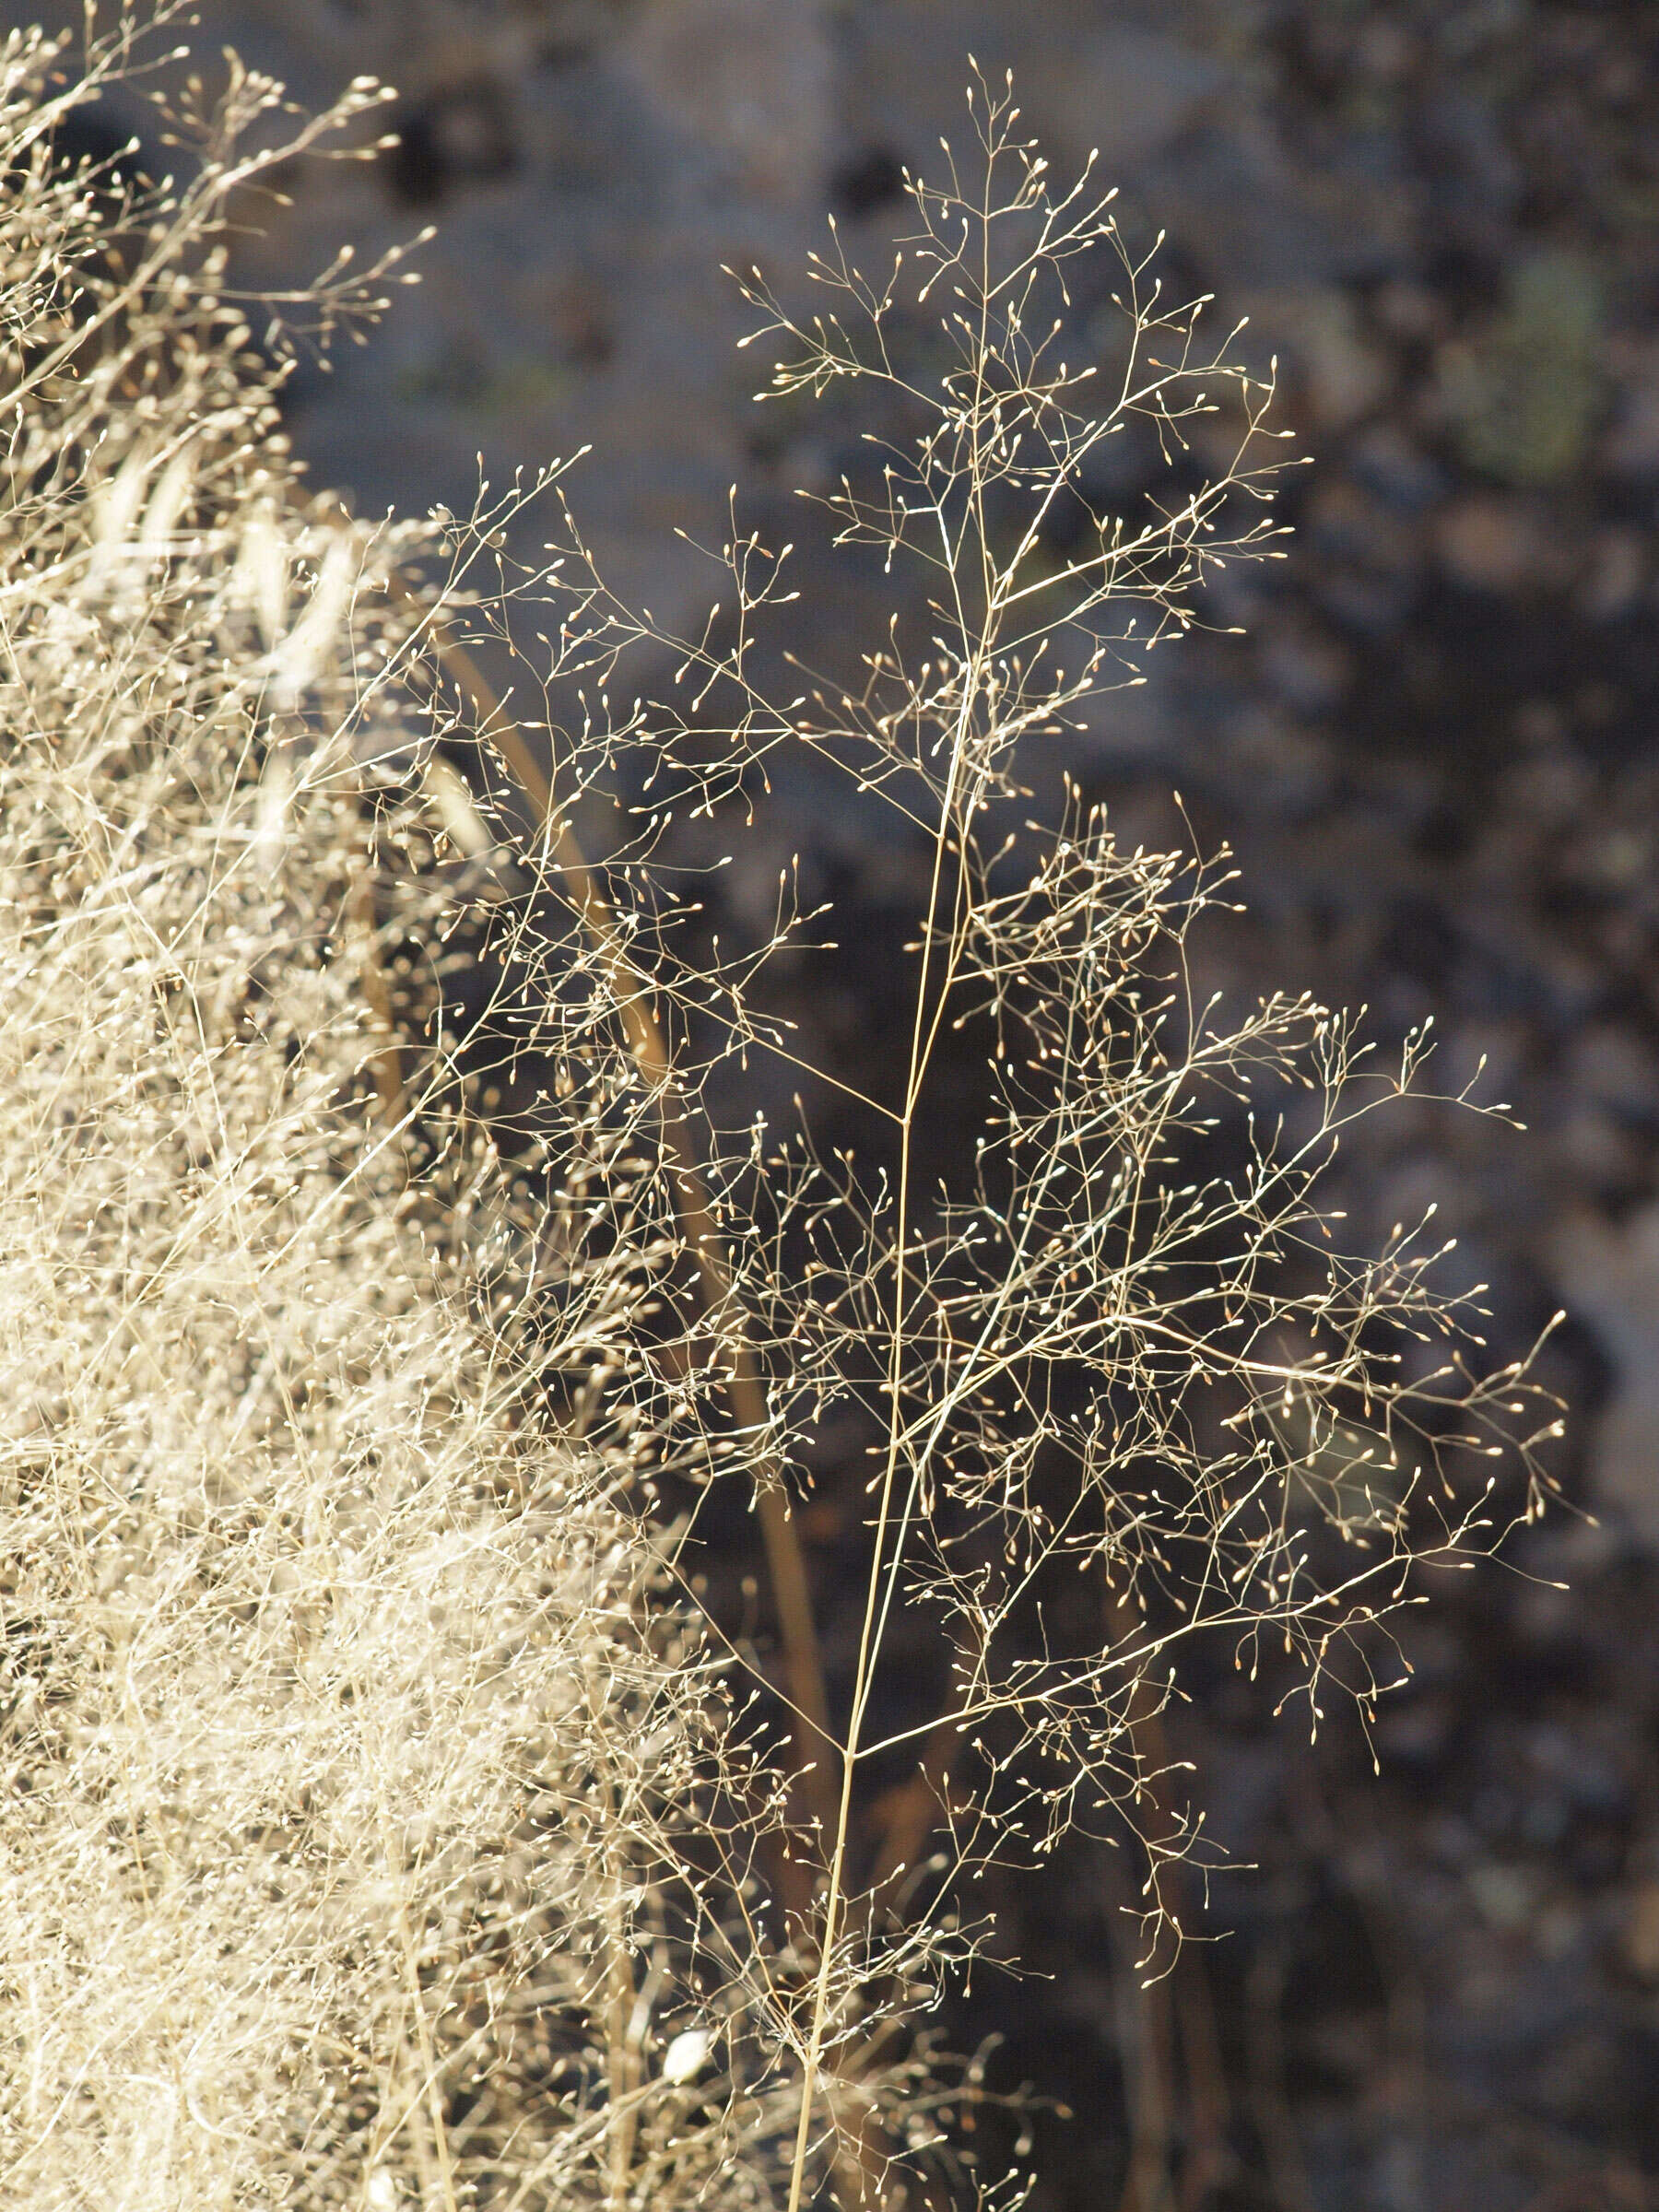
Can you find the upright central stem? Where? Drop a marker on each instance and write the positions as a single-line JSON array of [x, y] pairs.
[[922, 1034], [966, 470]]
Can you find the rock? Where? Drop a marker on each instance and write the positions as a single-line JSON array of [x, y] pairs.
[[1487, 542], [1307, 669], [1616, 1070], [1125, 92], [1640, 1944], [1506, 1897], [1609, 1274], [1366, 556], [1614, 581], [1593, 1149], [463, 134], [1394, 468], [748, 80], [1554, 788], [1525, 396], [1386, 50], [1340, 376], [1407, 312], [1630, 447]]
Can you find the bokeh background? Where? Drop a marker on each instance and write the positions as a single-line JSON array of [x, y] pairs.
[[1435, 753]]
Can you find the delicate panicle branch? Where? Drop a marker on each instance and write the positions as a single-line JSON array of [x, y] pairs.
[[815, 1751], [385, 1308]]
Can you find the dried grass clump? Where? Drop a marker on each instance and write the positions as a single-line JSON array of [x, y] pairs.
[[347, 1745], [378, 1304]]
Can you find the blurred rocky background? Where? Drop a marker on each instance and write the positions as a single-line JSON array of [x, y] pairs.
[[1435, 752]]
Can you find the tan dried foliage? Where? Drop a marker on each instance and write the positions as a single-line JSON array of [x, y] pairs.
[[382, 1821]]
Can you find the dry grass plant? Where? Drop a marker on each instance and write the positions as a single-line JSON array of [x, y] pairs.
[[354, 1764], [383, 1822]]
